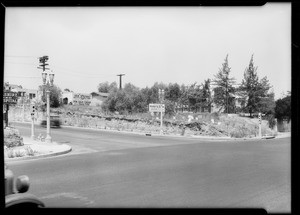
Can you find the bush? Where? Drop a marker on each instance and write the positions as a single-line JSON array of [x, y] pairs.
[[29, 151], [12, 138], [10, 153], [19, 153], [239, 132], [271, 121]]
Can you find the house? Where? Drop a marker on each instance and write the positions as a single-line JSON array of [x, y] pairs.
[[98, 98], [87, 99], [67, 97]]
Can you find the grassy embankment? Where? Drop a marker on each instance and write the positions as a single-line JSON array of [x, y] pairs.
[[180, 124]]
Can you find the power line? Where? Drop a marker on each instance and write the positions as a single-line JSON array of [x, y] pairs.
[[16, 76], [64, 70], [20, 56], [30, 64]]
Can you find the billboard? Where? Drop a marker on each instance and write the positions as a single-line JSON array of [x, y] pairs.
[[82, 99]]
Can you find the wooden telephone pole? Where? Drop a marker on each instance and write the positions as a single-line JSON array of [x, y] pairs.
[[120, 80]]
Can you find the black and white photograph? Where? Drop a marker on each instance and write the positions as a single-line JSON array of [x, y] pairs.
[[148, 107]]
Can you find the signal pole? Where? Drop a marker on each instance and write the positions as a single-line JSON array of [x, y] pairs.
[[120, 80]]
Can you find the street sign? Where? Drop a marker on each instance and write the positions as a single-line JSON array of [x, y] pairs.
[[10, 97], [156, 107]]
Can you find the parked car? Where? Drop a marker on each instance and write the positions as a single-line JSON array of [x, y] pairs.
[[15, 192], [55, 121]]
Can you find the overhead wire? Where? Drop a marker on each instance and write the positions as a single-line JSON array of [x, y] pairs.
[[68, 71]]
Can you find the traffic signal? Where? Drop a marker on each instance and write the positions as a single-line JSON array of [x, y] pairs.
[[33, 109], [259, 117]]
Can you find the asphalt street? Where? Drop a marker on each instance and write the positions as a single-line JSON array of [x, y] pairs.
[[110, 169]]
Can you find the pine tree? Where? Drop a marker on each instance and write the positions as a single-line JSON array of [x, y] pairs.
[[223, 93], [254, 91]]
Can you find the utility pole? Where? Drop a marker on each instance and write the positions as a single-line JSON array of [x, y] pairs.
[[161, 96], [120, 80], [43, 63]]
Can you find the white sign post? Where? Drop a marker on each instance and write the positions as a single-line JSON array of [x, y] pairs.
[[259, 125], [158, 108]]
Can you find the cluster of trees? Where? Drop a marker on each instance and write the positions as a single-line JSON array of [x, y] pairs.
[[252, 94], [131, 99]]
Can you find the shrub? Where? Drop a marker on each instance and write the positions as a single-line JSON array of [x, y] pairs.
[[10, 153], [239, 132], [19, 153], [12, 138], [271, 121], [29, 151]]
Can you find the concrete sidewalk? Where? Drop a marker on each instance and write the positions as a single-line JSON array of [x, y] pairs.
[[41, 149]]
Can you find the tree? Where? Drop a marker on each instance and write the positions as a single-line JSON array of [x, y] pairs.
[[127, 100], [224, 92], [255, 91], [106, 87], [103, 87], [283, 108], [55, 95], [183, 98], [194, 95], [206, 95], [173, 92]]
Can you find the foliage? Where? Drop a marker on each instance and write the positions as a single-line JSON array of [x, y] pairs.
[[12, 138], [267, 104], [10, 153], [271, 121], [19, 153], [224, 92], [172, 92], [106, 87], [55, 95], [29, 151], [283, 108], [255, 92]]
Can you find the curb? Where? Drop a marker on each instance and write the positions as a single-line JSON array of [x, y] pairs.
[[40, 156]]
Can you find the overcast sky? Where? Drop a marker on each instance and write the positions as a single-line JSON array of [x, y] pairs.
[[87, 46]]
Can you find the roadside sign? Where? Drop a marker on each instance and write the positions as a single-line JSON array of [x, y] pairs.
[[157, 107], [10, 97]]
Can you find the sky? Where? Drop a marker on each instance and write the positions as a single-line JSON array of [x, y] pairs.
[[90, 45]]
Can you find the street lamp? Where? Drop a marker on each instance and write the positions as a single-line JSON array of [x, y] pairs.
[[50, 82]]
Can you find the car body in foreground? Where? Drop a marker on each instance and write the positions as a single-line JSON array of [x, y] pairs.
[[15, 192]]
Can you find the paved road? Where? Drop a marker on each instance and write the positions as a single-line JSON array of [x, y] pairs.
[[108, 169]]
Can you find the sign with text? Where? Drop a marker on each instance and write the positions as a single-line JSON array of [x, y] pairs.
[[82, 99], [10, 97], [157, 107]]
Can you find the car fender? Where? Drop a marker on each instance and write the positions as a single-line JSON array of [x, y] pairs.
[[22, 198]]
